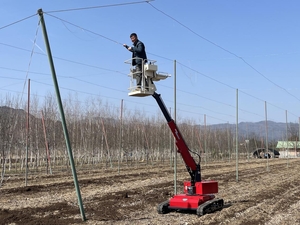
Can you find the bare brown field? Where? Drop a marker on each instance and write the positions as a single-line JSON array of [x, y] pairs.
[[131, 196]]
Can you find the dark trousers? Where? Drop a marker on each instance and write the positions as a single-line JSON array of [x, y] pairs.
[[139, 75]]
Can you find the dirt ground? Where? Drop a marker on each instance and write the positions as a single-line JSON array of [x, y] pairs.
[[131, 196]]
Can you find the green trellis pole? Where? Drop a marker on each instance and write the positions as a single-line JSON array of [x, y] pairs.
[[63, 120]]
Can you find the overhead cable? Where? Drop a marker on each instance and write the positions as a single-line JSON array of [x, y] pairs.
[[97, 34], [206, 76], [235, 55], [96, 7]]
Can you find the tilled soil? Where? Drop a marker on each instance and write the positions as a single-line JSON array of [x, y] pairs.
[[262, 192]]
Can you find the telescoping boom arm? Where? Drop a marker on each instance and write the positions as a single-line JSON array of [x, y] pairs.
[[192, 167]]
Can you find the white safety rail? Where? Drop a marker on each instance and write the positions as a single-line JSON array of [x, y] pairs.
[[149, 74]]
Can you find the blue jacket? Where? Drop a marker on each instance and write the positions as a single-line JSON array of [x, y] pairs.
[[138, 50]]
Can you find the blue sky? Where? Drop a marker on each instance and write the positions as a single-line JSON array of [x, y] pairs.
[[219, 46]]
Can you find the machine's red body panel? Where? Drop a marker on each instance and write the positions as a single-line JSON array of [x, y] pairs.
[[203, 187], [188, 202]]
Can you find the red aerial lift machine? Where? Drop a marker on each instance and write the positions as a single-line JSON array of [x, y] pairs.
[[198, 194]]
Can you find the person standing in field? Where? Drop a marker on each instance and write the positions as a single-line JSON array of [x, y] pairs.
[[139, 57]]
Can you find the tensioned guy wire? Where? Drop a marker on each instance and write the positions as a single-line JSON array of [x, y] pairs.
[[30, 60], [18, 21]]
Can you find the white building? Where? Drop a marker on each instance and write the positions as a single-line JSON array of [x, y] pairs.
[[288, 149]]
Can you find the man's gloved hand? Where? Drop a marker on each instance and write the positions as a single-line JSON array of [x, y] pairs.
[[126, 46]]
